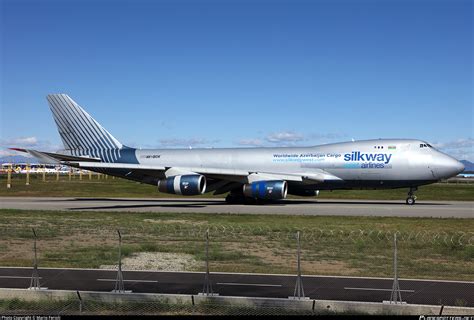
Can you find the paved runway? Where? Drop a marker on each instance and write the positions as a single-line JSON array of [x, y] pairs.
[[249, 285], [438, 209]]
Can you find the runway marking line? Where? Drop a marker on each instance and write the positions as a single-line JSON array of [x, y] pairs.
[[16, 277], [375, 289], [244, 273], [128, 280], [248, 284]]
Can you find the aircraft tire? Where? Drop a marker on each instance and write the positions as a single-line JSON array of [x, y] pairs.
[[410, 201], [231, 199], [235, 199], [250, 201]]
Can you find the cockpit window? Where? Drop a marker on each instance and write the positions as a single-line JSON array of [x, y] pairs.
[[425, 145]]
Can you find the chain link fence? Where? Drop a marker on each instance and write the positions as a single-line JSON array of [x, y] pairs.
[[234, 247], [456, 238], [134, 307], [232, 232], [245, 248]]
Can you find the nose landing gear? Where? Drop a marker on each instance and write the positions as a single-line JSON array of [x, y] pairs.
[[411, 196]]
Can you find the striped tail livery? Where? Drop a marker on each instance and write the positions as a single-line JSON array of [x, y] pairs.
[[80, 133]]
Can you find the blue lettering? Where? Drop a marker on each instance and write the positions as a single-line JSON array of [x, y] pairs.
[[371, 157], [358, 156]]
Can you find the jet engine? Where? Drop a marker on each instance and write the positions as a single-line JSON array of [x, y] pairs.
[[186, 185], [266, 190]]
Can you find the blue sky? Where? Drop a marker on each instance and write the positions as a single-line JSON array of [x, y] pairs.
[[241, 73]]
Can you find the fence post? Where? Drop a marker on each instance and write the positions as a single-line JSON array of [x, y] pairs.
[[396, 296], [207, 288], [27, 174], [299, 291], [119, 286], [44, 173], [9, 177], [81, 303], [35, 282]]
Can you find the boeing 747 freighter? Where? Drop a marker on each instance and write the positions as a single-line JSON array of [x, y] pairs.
[[247, 174]]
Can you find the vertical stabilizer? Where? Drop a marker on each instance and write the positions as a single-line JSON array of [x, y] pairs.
[[80, 133]]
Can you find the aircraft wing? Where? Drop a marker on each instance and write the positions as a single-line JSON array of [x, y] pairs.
[[221, 180], [242, 176], [245, 176]]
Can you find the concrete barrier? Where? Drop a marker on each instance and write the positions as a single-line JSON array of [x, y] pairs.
[[309, 305]]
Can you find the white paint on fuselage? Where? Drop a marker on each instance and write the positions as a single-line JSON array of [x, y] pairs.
[[382, 160]]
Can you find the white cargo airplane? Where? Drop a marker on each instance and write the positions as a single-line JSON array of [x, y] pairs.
[[248, 174]]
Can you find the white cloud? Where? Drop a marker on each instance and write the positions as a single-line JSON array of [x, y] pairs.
[[284, 137], [27, 143], [181, 142], [461, 149], [250, 142], [456, 144], [291, 138], [327, 136], [11, 153], [20, 142]]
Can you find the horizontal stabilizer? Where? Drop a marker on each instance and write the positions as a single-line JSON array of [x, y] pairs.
[[51, 157]]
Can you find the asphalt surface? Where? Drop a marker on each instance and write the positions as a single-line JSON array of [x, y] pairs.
[[437, 209], [247, 285]]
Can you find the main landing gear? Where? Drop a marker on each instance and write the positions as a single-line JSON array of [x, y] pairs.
[[239, 198], [235, 198], [411, 196]]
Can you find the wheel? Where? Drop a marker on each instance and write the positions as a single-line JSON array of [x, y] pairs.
[[410, 201], [229, 199], [250, 201], [233, 199]]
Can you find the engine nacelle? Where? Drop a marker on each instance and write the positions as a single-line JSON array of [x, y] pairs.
[[186, 185], [266, 190]]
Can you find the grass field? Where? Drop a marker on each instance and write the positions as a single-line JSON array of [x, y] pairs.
[[356, 246], [124, 188]]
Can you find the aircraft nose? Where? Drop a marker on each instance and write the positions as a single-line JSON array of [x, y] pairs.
[[449, 167], [459, 167]]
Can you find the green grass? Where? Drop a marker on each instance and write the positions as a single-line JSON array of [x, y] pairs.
[[428, 248], [124, 188]]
